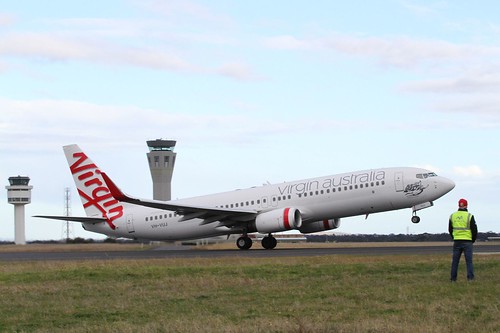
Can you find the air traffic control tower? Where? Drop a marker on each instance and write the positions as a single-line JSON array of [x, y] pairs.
[[161, 159], [19, 194]]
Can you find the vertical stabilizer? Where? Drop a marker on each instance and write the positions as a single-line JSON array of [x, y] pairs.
[[95, 195]]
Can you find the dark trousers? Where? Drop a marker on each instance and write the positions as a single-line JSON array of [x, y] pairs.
[[459, 247]]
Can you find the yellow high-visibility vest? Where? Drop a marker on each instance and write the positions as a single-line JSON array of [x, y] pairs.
[[460, 222]]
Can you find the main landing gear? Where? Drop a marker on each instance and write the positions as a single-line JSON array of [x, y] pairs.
[[245, 242], [269, 242]]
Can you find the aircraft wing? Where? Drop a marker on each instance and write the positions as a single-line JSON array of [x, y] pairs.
[[81, 219], [227, 217]]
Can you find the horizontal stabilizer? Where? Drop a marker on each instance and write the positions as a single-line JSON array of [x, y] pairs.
[[74, 218]]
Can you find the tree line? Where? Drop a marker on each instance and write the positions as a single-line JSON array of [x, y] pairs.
[[425, 237]]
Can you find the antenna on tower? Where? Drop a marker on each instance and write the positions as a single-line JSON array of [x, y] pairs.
[[67, 227]]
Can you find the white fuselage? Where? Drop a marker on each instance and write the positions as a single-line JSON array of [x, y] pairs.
[[317, 199]]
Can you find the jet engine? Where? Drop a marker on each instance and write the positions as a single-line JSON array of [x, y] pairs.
[[278, 220], [320, 226]]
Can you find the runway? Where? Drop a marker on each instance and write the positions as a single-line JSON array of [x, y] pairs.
[[187, 252]]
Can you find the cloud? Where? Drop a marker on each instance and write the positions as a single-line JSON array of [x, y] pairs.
[[116, 42], [287, 42], [460, 78], [185, 11], [463, 85], [423, 10], [476, 95], [403, 52], [480, 106], [238, 71], [6, 19], [60, 47], [468, 171], [37, 125]]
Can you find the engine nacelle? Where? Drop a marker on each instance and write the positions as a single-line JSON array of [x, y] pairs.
[[278, 220], [320, 226]]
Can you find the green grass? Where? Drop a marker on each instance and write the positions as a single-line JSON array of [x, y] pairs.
[[318, 294]]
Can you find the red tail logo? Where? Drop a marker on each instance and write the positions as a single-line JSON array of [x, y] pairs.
[[95, 192]]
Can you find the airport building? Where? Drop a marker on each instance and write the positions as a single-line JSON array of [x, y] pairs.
[[161, 159], [19, 194]]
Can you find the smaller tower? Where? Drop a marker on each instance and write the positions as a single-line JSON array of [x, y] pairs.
[[161, 159], [67, 227], [19, 194]]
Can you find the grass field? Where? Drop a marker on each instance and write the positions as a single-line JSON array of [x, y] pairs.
[[306, 294]]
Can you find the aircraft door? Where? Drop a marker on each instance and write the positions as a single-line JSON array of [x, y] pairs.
[[130, 224], [398, 181]]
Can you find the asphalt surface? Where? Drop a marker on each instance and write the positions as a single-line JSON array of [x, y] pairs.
[[186, 252]]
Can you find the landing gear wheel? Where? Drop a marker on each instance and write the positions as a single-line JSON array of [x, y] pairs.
[[415, 219], [269, 242], [244, 243]]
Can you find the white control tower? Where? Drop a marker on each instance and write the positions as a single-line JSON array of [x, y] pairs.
[[161, 159], [19, 194]]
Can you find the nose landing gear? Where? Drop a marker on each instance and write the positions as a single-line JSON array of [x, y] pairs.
[[415, 218]]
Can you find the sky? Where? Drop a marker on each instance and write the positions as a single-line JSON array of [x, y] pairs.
[[253, 92]]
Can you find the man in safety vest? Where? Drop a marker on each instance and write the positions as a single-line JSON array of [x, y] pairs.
[[463, 229]]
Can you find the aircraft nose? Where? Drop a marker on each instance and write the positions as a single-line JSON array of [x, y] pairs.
[[447, 185]]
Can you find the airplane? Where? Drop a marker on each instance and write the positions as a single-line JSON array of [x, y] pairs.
[[308, 206]]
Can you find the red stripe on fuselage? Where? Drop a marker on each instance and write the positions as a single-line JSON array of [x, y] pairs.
[[286, 221]]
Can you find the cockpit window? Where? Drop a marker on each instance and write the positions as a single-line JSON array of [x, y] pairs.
[[426, 175]]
